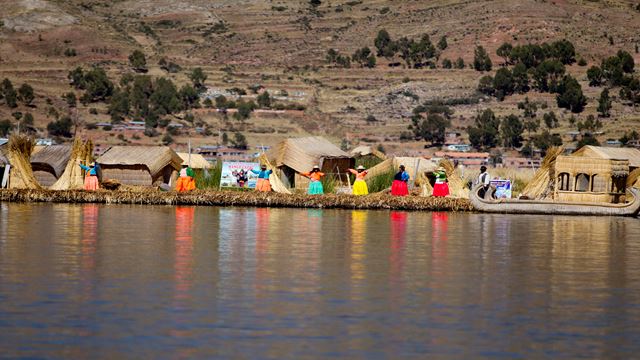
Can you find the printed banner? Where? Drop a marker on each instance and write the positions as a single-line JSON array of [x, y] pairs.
[[238, 174], [503, 188]]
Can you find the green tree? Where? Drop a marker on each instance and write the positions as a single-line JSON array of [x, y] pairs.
[[551, 120], [189, 96], [484, 133], [504, 51], [431, 129], [167, 139], [595, 76], [9, 93], [385, 45], [545, 140], [503, 83], [25, 94], [442, 44], [138, 61], [118, 106], [207, 103], [165, 98], [604, 103], [587, 139], [626, 61], [198, 77], [315, 3], [239, 141], [5, 127], [447, 64], [76, 77], [264, 100], [244, 110], [511, 129], [481, 60], [71, 99], [563, 51], [485, 85], [547, 74], [364, 57], [520, 78], [97, 85], [570, 95], [60, 127]]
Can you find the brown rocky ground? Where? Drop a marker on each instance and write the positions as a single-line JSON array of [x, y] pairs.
[[282, 44]]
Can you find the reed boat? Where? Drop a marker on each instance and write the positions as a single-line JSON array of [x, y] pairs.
[[551, 207]]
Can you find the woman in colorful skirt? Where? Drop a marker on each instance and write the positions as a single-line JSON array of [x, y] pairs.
[[186, 182], [359, 186], [399, 186], [315, 187], [263, 178], [90, 177], [441, 187]]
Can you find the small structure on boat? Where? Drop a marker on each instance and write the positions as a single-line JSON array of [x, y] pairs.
[[588, 179], [140, 165], [610, 153], [49, 162], [298, 155]]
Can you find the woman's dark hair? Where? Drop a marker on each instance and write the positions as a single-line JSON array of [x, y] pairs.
[[315, 170]]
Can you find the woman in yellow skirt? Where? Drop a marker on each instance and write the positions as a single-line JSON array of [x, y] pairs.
[[360, 186]]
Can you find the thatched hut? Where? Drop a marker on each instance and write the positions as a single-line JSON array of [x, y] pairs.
[[140, 165], [294, 156], [49, 162], [195, 161]]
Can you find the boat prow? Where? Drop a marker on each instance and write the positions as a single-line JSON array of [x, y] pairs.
[[517, 206]]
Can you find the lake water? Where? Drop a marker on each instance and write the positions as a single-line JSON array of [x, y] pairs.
[[105, 281]]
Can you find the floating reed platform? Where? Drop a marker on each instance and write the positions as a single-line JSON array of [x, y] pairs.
[[233, 198]]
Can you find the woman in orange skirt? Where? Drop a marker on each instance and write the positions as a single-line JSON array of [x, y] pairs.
[[263, 178], [91, 176], [186, 182]]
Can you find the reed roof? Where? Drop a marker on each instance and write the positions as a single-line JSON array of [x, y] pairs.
[[364, 150], [591, 165], [197, 161], [631, 154], [155, 158], [301, 154], [54, 157]]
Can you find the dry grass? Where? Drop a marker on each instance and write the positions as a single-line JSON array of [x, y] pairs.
[[233, 198], [457, 185]]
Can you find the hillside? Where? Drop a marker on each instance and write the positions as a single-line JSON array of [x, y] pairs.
[[282, 45]]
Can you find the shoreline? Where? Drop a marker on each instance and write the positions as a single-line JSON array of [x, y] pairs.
[[231, 198]]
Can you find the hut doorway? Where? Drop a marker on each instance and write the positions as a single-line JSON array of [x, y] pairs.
[[288, 176]]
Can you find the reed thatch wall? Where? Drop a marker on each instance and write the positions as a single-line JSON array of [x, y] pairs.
[[45, 177]]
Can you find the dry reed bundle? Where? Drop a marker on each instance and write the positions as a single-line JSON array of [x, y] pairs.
[[19, 152], [634, 178], [457, 186], [73, 177], [541, 186], [237, 198], [276, 183]]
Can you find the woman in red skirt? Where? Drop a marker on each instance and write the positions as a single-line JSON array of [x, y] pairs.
[[399, 186], [441, 188]]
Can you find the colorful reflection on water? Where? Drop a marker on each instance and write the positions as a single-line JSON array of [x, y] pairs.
[[187, 282]]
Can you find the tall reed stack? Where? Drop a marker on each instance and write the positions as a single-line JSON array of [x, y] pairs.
[[19, 150], [541, 186], [72, 177]]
